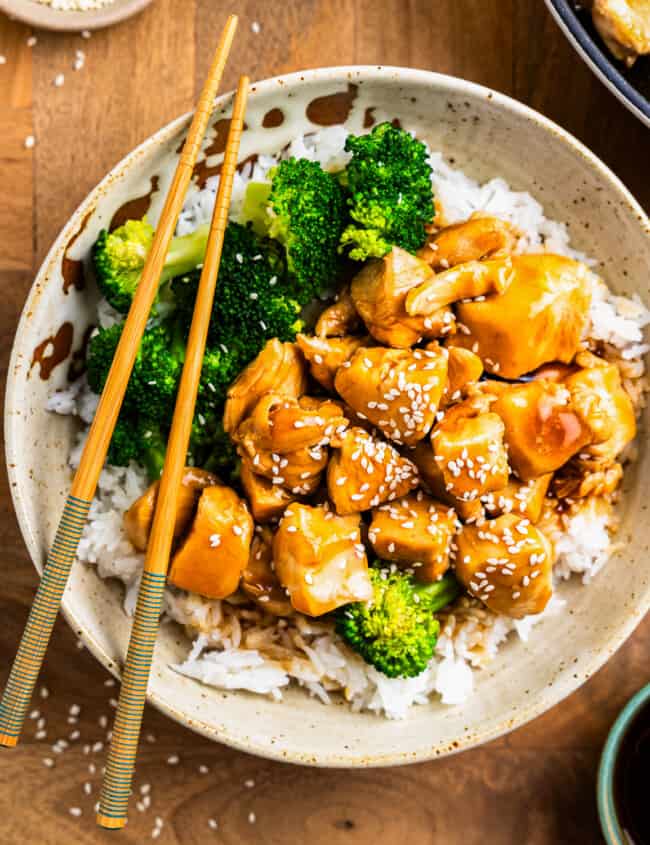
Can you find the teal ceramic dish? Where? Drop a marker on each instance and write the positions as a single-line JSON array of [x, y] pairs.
[[609, 821]]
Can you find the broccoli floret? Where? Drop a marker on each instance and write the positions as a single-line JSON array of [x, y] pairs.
[[141, 440], [156, 373], [396, 632], [119, 258], [249, 305], [124, 447], [390, 199], [220, 368], [210, 447], [304, 209]]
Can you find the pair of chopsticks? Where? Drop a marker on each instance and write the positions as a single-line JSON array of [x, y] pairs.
[[31, 651]]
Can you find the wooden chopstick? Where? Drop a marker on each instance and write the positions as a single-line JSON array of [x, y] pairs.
[[31, 651], [113, 803]]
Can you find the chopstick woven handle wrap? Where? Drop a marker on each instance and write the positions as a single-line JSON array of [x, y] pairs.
[[24, 673], [116, 789]]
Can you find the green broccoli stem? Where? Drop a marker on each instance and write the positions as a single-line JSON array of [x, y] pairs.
[[440, 593], [256, 201], [153, 460], [185, 253]]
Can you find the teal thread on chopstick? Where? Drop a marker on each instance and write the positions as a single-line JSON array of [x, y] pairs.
[[24, 672], [114, 798]]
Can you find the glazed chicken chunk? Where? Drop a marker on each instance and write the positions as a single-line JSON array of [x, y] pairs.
[[476, 239], [299, 472], [540, 317], [363, 472], [286, 440], [326, 354], [267, 500], [465, 281], [138, 518], [469, 447], [463, 368], [416, 532], [379, 293], [424, 458], [543, 429], [212, 556], [281, 424], [340, 318], [600, 400], [398, 390], [524, 499], [279, 367], [507, 564], [320, 559], [624, 26], [259, 581]]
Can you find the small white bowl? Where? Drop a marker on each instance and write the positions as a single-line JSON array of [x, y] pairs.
[[45, 17], [487, 135]]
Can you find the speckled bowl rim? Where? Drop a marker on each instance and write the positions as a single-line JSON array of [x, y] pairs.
[[565, 681], [44, 17], [609, 823]]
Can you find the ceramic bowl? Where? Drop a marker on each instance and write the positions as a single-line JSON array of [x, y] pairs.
[[486, 134], [45, 17], [609, 821]]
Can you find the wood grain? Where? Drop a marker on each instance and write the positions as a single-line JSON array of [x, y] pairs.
[[535, 786]]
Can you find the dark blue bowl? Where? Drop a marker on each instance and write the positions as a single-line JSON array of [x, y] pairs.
[[630, 85]]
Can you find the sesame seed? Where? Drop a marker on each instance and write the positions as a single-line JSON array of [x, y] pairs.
[[252, 818], [30, 140], [173, 760], [75, 811], [213, 824], [58, 80]]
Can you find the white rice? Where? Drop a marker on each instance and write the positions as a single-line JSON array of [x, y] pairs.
[[236, 647]]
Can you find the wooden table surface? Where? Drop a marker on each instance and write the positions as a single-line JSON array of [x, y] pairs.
[[535, 786]]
